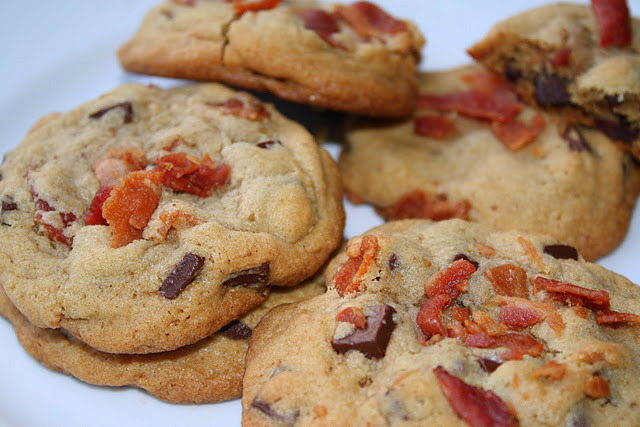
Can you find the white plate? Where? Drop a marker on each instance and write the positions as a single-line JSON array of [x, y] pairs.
[[59, 54]]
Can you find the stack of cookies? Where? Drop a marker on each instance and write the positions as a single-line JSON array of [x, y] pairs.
[[182, 240]]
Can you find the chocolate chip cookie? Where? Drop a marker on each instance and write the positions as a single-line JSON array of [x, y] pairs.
[[148, 218], [474, 151], [451, 323], [352, 57], [573, 58], [208, 371]]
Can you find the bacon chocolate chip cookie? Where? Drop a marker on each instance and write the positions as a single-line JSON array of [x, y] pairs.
[[348, 57], [451, 323], [474, 151], [147, 219], [573, 58]]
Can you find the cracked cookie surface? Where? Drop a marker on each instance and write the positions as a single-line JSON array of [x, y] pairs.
[[438, 323], [353, 58], [146, 219], [473, 151]]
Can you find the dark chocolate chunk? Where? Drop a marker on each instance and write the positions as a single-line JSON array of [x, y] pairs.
[[394, 261], [618, 131], [126, 106], [560, 251], [9, 205], [372, 340], [182, 274], [489, 365], [574, 138], [268, 144], [266, 409], [551, 90], [236, 330], [511, 73], [466, 258], [249, 276]]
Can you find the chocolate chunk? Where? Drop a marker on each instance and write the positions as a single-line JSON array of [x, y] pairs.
[[394, 261], [249, 276], [266, 409], [268, 144], [551, 90], [182, 274], [466, 258], [618, 131], [372, 340], [126, 106], [236, 330], [9, 205], [489, 365], [511, 73], [561, 251], [574, 137]]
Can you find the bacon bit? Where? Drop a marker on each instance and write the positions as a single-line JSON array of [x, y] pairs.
[[516, 135], [518, 344], [323, 23], [473, 103], [459, 313], [352, 315], [428, 318], [348, 278], [550, 369], [531, 252], [250, 110], [457, 330], [242, 6], [118, 162], [320, 411], [473, 327], [614, 22], [93, 216], [480, 340], [418, 204], [570, 294], [560, 58], [581, 311], [485, 250], [369, 20], [175, 218], [488, 82], [446, 280], [53, 232], [131, 205], [187, 173], [615, 317], [597, 387], [509, 280], [436, 127], [487, 324], [520, 313], [474, 405]]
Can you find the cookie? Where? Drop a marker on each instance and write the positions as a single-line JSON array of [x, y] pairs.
[[451, 323], [355, 58], [576, 59], [208, 371], [473, 151], [147, 219]]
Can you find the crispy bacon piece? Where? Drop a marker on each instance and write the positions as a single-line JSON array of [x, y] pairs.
[[54, 233], [429, 316], [187, 173], [616, 317], [551, 369], [369, 20], [436, 127], [486, 323], [250, 110], [131, 205], [517, 344], [516, 135], [597, 387], [508, 280], [323, 23], [614, 22], [474, 103], [93, 216], [574, 295], [531, 252], [353, 315], [484, 81], [448, 280], [418, 204], [518, 313], [242, 6], [474, 405], [118, 162], [348, 278], [175, 218], [459, 313]]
